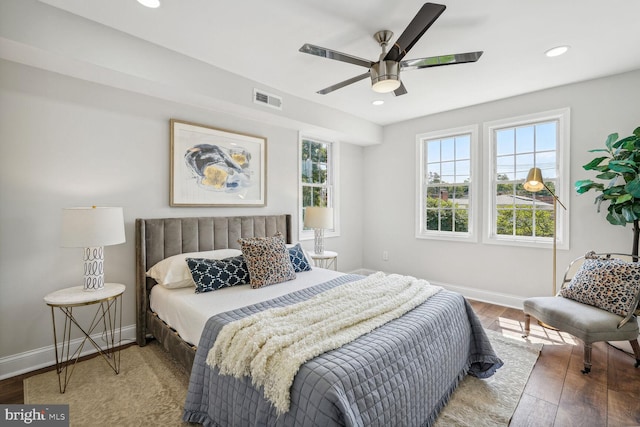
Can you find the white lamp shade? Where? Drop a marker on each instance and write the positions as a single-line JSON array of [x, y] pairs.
[[92, 227], [315, 217]]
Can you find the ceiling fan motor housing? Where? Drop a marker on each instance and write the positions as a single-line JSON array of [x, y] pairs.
[[385, 76]]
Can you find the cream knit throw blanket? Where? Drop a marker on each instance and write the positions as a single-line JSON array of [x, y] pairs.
[[270, 346]]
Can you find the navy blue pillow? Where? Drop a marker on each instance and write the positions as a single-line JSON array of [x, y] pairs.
[[212, 274], [298, 260]]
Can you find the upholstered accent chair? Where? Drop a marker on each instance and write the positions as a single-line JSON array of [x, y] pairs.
[[598, 301]]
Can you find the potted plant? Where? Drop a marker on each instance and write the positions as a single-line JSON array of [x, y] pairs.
[[619, 167]]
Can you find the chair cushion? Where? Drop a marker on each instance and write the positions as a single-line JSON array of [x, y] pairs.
[[610, 284], [586, 322]]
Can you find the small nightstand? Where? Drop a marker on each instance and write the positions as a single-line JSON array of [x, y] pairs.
[[108, 314], [327, 259]]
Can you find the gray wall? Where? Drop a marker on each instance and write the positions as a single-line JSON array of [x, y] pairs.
[[503, 274], [67, 142]]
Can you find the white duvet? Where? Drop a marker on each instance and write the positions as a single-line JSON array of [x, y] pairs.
[[187, 312]]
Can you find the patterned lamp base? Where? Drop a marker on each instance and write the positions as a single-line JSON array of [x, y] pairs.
[[93, 268]]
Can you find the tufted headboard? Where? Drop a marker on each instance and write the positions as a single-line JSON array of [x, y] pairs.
[[157, 239]]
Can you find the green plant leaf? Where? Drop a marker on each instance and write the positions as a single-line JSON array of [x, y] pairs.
[[623, 166], [615, 218], [633, 187], [614, 190], [599, 150], [607, 175], [624, 198], [594, 163], [628, 214], [636, 132], [610, 140], [585, 185]]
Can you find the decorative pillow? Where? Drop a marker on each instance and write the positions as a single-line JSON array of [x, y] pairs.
[[212, 274], [267, 259], [298, 258], [173, 272], [610, 284]]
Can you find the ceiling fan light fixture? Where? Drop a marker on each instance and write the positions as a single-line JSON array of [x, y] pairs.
[[150, 3], [385, 76], [557, 51]]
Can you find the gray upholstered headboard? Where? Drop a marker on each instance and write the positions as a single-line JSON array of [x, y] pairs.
[[157, 239]]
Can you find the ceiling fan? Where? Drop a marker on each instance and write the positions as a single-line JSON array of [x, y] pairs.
[[385, 73]]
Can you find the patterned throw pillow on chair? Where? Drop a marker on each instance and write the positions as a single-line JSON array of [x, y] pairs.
[[298, 259], [610, 284], [212, 274], [267, 259]]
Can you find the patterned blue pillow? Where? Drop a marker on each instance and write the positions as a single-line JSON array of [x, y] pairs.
[[212, 274], [298, 259]]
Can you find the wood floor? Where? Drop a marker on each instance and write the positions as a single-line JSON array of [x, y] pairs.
[[557, 394]]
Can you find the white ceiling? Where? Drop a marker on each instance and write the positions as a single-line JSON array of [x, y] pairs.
[[259, 40]]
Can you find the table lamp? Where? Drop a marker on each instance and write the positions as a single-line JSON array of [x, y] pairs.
[[92, 228], [319, 219]]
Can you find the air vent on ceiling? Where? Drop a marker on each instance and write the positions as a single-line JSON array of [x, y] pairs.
[[261, 97]]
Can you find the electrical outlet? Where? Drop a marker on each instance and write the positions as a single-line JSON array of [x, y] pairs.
[[385, 255]]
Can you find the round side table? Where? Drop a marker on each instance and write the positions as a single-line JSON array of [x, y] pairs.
[[108, 315], [327, 259]]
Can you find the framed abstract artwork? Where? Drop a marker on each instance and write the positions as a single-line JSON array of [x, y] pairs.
[[216, 167]]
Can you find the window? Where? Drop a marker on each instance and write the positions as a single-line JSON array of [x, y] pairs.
[[446, 190], [517, 216], [318, 175]]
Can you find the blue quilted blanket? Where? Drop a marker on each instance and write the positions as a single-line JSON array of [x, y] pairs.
[[400, 374]]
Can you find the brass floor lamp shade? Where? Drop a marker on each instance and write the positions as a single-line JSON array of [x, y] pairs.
[[535, 183]]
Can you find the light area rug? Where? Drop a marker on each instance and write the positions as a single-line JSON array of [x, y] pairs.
[[150, 389], [491, 402]]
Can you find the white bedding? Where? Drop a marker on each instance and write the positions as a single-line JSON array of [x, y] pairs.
[[187, 312]]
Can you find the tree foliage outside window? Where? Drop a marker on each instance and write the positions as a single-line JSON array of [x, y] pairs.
[[517, 212], [448, 174], [316, 175]]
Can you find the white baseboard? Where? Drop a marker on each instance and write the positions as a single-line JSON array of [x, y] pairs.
[[43, 357], [498, 298]]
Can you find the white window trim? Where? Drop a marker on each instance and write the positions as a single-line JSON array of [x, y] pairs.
[[335, 196], [421, 233], [563, 181]]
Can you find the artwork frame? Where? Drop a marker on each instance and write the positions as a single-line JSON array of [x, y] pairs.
[[213, 167]]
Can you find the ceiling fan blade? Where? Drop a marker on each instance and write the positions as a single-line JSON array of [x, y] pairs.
[[343, 84], [425, 17], [332, 54], [436, 61], [401, 90]]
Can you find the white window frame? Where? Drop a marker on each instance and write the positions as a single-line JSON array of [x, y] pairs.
[[421, 231], [562, 116], [333, 195]]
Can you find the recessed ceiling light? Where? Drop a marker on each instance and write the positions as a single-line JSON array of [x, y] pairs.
[[557, 51], [150, 3], [377, 102]]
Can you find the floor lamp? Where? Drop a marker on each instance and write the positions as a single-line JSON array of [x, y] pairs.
[[535, 183]]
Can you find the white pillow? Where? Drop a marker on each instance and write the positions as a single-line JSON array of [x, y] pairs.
[[173, 272]]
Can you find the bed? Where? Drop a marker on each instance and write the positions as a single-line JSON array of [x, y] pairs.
[[401, 373]]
